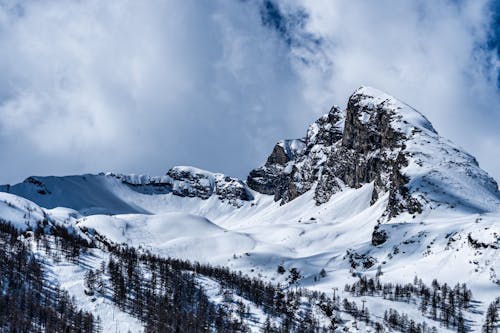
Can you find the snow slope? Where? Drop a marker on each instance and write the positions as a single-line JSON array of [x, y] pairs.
[[301, 235], [90, 194], [171, 234], [22, 213]]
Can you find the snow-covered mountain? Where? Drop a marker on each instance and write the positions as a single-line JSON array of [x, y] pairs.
[[382, 140], [370, 188]]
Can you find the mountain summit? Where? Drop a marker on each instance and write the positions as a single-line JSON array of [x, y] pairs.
[[378, 139]]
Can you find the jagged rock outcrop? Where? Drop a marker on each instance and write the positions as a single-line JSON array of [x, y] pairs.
[[191, 182], [294, 165], [379, 236], [372, 150], [274, 178], [382, 140]]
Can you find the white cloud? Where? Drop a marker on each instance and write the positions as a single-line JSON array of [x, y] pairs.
[[138, 86]]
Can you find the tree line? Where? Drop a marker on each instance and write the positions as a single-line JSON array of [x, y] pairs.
[[166, 294], [439, 302], [29, 302]]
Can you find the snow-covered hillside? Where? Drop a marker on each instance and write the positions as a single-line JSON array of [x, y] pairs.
[[368, 189]]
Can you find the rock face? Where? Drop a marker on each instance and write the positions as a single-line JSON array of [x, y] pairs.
[[379, 236], [191, 182], [372, 150], [272, 178], [295, 165], [376, 139]]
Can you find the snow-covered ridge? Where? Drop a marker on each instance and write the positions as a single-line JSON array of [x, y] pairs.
[[377, 138], [21, 213], [111, 193]]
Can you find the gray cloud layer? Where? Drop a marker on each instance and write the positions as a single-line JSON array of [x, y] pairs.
[[139, 86]]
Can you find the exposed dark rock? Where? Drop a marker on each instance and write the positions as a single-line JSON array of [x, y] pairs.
[[39, 186], [191, 182], [379, 236], [352, 150], [266, 180], [356, 259], [232, 190], [476, 244], [295, 165], [278, 156]]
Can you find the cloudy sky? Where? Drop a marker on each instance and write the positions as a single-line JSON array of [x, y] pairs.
[[139, 86]]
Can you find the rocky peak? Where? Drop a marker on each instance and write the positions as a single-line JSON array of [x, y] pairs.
[[375, 120], [382, 140], [376, 129]]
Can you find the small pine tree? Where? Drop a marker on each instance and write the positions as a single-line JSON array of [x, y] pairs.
[[491, 320], [461, 323], [379, 271], [294, 276], [90, 282]]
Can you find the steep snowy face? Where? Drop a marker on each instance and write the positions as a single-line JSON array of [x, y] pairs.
[[89, 194], [382, 140]]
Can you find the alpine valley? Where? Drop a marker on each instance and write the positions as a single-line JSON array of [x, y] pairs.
[[371, 222]]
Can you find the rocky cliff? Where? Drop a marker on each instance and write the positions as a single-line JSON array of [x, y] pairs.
[[378, 139], [190, 182]]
